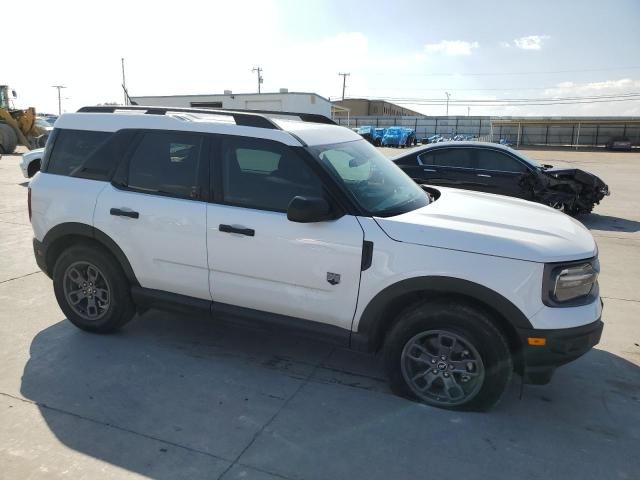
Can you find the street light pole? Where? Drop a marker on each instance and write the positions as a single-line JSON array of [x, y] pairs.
[[448, 95], [59, 87]]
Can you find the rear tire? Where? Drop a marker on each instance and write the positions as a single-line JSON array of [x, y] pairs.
[[92, 290], [448, 355], [33, 168], [8, 139]]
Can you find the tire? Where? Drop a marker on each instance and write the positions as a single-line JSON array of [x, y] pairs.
[[479, 362], [8, 139], [33, 168], [109, 312]]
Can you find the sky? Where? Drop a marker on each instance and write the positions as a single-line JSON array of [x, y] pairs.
[[411, 51]]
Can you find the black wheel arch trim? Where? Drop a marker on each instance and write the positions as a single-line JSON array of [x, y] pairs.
[[374, 319], [77, 229]]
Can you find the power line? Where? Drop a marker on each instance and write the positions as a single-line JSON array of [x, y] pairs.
[[626, 95], [537, 72]]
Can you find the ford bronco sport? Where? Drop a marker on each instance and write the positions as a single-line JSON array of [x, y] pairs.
[[292, 221]]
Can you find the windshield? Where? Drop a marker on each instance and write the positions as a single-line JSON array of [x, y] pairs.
[[374, 181]]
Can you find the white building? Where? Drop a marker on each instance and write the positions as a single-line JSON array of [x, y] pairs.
[[283, 101]]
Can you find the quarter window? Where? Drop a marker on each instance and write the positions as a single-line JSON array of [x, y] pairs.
[[72, 148], [166, 163], [264, 175]]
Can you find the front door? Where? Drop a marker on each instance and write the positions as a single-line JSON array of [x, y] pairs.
[[502, 174], [258, 259], [154, 214]]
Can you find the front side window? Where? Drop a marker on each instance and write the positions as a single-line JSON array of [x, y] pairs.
[[373, 181], [72, 148], [499, 162], [265, 175], [166, 163]]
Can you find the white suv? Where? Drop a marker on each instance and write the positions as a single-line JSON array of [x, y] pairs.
[[295, 222]]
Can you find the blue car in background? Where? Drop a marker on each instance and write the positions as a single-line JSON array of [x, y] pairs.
[[399, 137], [377, 136], [368, 133]]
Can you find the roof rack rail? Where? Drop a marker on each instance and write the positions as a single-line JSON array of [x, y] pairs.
[[241, 118], [247, 118]]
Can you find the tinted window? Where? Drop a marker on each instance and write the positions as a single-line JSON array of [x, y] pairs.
[[453, 157], [101, 163], [426, 158], [498, 161], [72, 148], [264, 175], [407, 161], [166, 162]]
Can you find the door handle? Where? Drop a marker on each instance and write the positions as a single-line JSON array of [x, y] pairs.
[[428, 170], [249, 232], [484, 175], [118, 212]]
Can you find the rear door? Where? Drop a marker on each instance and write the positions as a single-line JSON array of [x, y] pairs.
[[154, 210], [501, 173], [449, 167]]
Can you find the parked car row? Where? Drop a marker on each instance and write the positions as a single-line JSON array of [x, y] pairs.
[[388, 137]]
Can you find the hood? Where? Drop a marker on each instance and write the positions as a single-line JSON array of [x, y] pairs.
[[493, 225]]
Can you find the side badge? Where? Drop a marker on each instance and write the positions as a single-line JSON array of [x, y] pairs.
[[333, 278]]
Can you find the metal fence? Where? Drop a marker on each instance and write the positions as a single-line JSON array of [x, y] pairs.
[[528, 131]]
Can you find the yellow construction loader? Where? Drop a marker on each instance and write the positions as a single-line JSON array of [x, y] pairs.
[[17, 127]]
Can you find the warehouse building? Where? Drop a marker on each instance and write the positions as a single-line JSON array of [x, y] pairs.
[[282, 101], [360, 107]]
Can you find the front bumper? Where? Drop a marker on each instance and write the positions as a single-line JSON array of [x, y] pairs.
[[560, 346]]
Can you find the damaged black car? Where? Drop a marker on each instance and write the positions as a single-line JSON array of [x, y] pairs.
[[493, 168]]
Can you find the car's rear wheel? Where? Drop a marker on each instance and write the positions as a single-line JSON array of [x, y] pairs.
[[449, 356], [92, 290], [33, 168]]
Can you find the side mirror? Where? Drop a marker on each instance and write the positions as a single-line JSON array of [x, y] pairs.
[[308, 210]]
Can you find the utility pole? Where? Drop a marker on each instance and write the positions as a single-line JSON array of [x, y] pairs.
[[448, 95], [59, 87], [468, 111], [260, 79], [344, 82], [124, 85]]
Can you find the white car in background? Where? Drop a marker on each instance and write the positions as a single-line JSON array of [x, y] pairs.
[[31, 161]]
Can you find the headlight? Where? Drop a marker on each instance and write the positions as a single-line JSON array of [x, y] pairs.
[[570, 283]]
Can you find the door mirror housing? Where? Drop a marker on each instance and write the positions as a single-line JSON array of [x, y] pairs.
[[308, 210]]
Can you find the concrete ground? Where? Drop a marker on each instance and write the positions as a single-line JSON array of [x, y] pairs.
[[183, 397]]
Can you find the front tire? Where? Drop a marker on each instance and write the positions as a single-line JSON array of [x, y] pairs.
[[449, 356], [92, 290]]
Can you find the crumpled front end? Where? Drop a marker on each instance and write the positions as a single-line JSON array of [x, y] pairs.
[[570, 189]]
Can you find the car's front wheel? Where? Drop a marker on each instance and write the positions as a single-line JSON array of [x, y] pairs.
[[449, 356], [92, 290]]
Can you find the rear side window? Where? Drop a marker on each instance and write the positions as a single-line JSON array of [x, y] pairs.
[[410, 161], [72, 148], [166, 163], [450, 157], [499, 162]]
